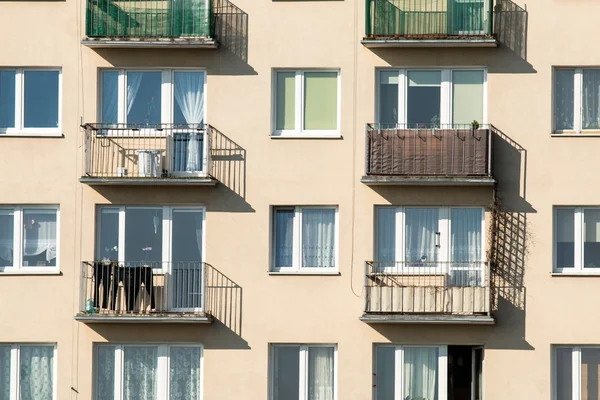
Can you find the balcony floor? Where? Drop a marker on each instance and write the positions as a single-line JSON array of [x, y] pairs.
[[466, 42], [170, 318], [116, 42], [134, 181], [428, 180], [372, 318]]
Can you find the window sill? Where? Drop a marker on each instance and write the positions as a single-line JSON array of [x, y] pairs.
[[571, 134], [576, 274], [32, 135], [309, 273], [306, 136]]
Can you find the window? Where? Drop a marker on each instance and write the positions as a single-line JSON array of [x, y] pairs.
[[304, 239], [27, 371], [157, 372], [306, 103], [577, 240], [303, 372], [576, 100], [576, 374], [30, 101], [28, 238], [431, 97], [431, 237], [152, 97], [427, 372]]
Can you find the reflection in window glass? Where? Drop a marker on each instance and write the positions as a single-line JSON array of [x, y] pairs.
[[565, 238], [39, 244], [7, 99], [286, 371], [388, 97], [564, 94], [108, 247], [590, 101], [144, 97], [320, 100], [7, 237], [40, 99], [590, 373], [143, 235], [591, 244], [423, 97], [564, 373], [110, 97]]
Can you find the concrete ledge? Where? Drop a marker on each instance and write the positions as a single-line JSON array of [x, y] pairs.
[[380, 43], [145, 319], [427, 319], [427, 180], [200, 181], [191, 43]]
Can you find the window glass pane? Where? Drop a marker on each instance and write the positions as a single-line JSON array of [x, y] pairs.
[[139, 372], [564, 97], [564, 374], [286, 101], [143, 97], [565, 238], [283, 238], [186, 270], [7, 99], [110, 97], [320, 373], [388, 97], [421, 229], [320, 100], [591, 237], [7, 241], [423, 97], [385, 372], [105, 374], [184, 373], [108, 246], [39, 232], [466, 234], [420, 373], [286, 371], [590, 373], [143, 235], [318, 238], [386, 235], [188, 90], [4, 372], [591, 99], [36, 368], [467, 89], [41, 99]]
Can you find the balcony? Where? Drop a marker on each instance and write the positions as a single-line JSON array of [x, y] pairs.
[[429, 23], [162, 154], [420, 154], [145, 291], [428, 292], [149, 23]]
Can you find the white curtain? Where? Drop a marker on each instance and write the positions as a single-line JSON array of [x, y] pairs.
[[386, 372], [6, 237], [320, 373], [105, 373], [386, 236], [139, 375], [283, 246], [466, 268], [421, 229], [420, 373], [36, 372], [4, 372], [134, 80], [318, 238], [40, 234], [189, 95], [591, 99], [184, 373]]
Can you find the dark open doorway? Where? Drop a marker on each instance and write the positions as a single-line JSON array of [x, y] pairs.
[[465, 372]]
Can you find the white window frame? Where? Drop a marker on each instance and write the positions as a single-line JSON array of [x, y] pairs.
[[577, 102], [19, 128], [444, 225], [162, 369], [299, 130], [399, 369], [15, 370], [446, 94], [579, 239], [19, 237], [576, 351], [296, 267], [303, 367], [167, 233]]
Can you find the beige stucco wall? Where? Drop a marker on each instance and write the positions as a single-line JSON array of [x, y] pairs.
[[305, 309]]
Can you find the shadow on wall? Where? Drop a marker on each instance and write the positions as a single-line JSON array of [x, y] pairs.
[[231, 28], [223, 300], [510, 26]]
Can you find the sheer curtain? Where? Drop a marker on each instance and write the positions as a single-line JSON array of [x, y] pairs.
[[139, 373], [40, 234], [36, 372], [184, 373], [4, 372], [421, 229], [320, 373], [134, 80], [591, 99], [189, 96], [318, 238], [105, 373], [420, 373], [465, 246], [564, 97], [386, 236], [283, 238]]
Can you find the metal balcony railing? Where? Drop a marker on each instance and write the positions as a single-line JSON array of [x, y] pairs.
[[422, 150], [142, 288], [428, 19], [128, 19], [162, 151], [448, 288]]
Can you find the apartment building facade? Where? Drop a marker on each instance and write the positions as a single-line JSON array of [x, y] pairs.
[[358, 199]]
